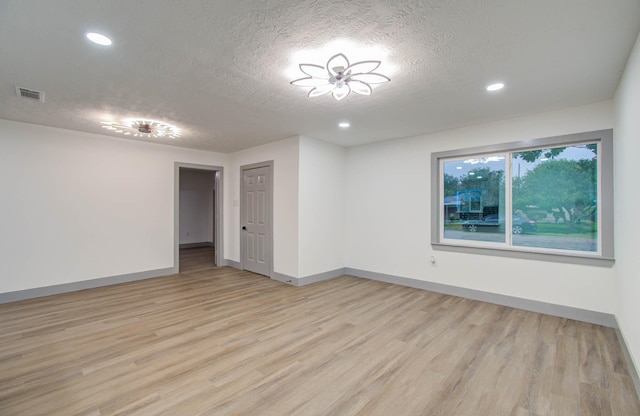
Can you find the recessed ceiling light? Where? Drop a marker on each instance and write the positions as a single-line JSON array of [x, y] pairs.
[[344, 124], [98, 38], [495, 87]]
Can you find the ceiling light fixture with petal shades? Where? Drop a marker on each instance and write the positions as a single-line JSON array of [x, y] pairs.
[[142, 128], [340, 77]]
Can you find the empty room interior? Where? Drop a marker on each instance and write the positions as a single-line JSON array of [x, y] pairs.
[[280, 207]]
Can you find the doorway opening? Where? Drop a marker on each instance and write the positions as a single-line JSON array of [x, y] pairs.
[[198, 217]]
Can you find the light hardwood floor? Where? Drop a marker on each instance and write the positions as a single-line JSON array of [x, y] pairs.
[[196, 258], [225, 342]]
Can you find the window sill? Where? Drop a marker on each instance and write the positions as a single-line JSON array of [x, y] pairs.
[[587, 260]]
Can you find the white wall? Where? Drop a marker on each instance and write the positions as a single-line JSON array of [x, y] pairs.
[[196, 206], [388, 215], [321, 207], [78, 206], [627, 199], [284, 154]]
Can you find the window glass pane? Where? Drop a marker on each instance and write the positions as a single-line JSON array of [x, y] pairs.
[[555, 198], [474, 198]]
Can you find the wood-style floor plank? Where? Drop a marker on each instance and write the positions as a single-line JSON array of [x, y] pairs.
[[196, 259], [219, 341]]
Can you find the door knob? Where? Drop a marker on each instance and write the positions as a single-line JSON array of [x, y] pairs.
[[244, 227]]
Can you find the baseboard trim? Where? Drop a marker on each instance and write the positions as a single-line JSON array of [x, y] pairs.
[[196, 245], [232, 263], [307, 280], [85, 284], [562, 311], [633, 370], [320, 277], [584, 315], [290, 280]]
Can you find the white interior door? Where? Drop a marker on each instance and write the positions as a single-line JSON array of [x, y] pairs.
[[256, 220]]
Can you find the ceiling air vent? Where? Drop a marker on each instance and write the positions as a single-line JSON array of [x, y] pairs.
[[30, 94]]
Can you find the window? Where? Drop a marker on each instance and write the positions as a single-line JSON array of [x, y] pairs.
[[548, 199]]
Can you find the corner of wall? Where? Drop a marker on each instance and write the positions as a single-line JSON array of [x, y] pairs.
[[626, 150]]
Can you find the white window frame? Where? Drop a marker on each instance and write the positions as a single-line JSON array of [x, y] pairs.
[[605, 254]]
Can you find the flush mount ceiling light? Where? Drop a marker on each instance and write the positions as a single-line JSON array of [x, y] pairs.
[[340, 77], [344, 124], [495, 87], [98, 38], [140, 127]]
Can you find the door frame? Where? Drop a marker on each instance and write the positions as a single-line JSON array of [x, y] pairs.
[[269, 165], [218, 235]]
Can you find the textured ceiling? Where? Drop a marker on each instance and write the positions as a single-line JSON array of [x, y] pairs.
[[221, 69]]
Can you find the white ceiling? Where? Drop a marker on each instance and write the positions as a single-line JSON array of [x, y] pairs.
[[221, 69]]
